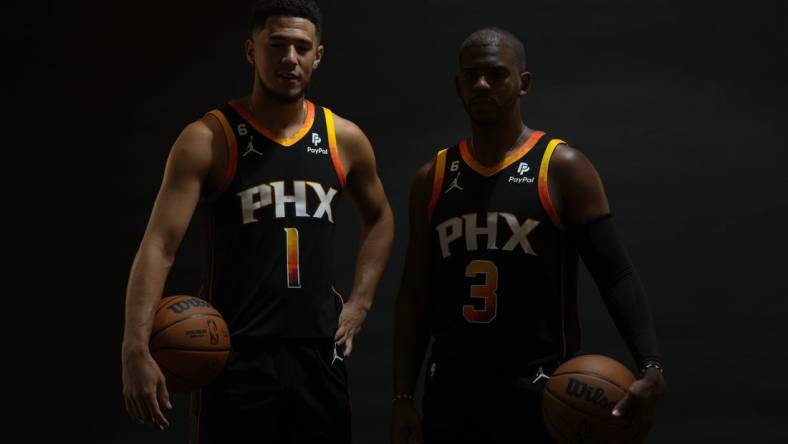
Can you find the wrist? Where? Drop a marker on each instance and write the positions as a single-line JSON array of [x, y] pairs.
[[407, 397], [361, 303], [134, 349], [651, 366]]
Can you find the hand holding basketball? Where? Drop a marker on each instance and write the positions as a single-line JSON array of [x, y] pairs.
[[144, 389], [641, 399], [579, 398], [406, 424], [190, 342]]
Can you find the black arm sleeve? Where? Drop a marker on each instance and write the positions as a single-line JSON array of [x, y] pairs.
[[607, 260]]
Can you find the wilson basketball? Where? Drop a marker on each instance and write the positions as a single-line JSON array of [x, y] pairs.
[[579, 399], [190, 342]]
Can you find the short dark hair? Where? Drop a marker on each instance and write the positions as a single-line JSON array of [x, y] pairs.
[[492, 36], [288, 8]]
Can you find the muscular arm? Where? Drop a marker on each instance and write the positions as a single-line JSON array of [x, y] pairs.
[[410, 324], [410, 330], [577, 190], [189, 166], [584, 209], [365, 190]]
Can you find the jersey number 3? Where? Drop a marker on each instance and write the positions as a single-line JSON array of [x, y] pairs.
[[486, 292]]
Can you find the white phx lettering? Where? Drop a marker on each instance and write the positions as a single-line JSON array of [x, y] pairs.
[[452, 229], [260, 196]]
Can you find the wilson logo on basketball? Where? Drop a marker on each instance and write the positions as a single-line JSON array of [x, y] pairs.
[[595, 395], [181, 306]]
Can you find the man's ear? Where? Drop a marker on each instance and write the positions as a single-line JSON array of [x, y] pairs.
[[525, 82]]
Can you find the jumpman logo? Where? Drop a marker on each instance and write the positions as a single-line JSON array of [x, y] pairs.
[[336, 355], [539, 375], [454, 184], [250, 149]]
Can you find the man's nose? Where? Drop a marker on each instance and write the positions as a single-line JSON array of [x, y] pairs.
[[481, 83], [290, 55]]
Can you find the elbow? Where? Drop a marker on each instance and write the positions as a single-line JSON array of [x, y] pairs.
[[156, 253]]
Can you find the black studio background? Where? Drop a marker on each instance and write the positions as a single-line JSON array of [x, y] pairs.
[[678, 104]]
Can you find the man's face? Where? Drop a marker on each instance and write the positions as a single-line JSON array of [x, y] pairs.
[[489, 82], [284, 53]]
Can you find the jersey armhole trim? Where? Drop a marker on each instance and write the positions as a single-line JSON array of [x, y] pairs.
[[332, 146], [437, 182], [544, 189], [232, 154]]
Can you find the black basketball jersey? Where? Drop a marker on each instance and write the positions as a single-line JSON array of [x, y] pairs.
[[269, 232], [503, 274]]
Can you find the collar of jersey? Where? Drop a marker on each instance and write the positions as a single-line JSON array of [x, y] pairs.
[[286, 141], [510, 159]]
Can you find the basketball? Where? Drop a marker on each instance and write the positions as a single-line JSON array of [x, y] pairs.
[[190, 342], [579, 398]]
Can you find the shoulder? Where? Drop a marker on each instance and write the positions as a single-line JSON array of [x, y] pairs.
[[349, 135], [203, 131], [424, 175], [200, 144], [569, 164]]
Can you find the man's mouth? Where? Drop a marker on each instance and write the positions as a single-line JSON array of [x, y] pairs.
[[287, 75]]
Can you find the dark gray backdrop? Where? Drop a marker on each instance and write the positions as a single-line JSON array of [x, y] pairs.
[[678, 105]]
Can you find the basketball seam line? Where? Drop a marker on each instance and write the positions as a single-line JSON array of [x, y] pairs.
[[196, 315], [191, 350], [586, 413], [552, 426], [171, 303], [593, 375]]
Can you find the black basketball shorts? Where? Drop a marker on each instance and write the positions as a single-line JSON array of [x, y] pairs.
[[476, 405], [278, 392]]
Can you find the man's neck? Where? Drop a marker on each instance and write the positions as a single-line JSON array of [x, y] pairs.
[[281, 118], [491, 144]]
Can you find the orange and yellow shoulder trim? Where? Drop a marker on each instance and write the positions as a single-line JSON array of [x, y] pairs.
[[333, 147], [544, 189], [437, 182], [232, 151]]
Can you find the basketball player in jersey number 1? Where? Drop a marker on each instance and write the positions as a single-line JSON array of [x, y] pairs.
[[267, 169], [496, 222]]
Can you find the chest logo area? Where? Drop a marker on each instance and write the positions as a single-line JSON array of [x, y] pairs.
[[454, 184], [250, 148], [521, 170], [315, 148], [273, 194], [466, 228]]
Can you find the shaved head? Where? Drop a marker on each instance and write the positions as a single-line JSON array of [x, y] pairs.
[[493, 36]]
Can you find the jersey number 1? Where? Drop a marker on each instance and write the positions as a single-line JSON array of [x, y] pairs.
[[293, 268], [486, 291]]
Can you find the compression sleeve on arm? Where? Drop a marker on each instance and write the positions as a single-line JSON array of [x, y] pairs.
[[607, 260]]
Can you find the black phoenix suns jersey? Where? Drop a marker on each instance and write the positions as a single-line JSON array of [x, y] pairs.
[[503, 275], [269, 232]]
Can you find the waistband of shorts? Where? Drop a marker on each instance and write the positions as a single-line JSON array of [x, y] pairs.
[[501, 366]]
